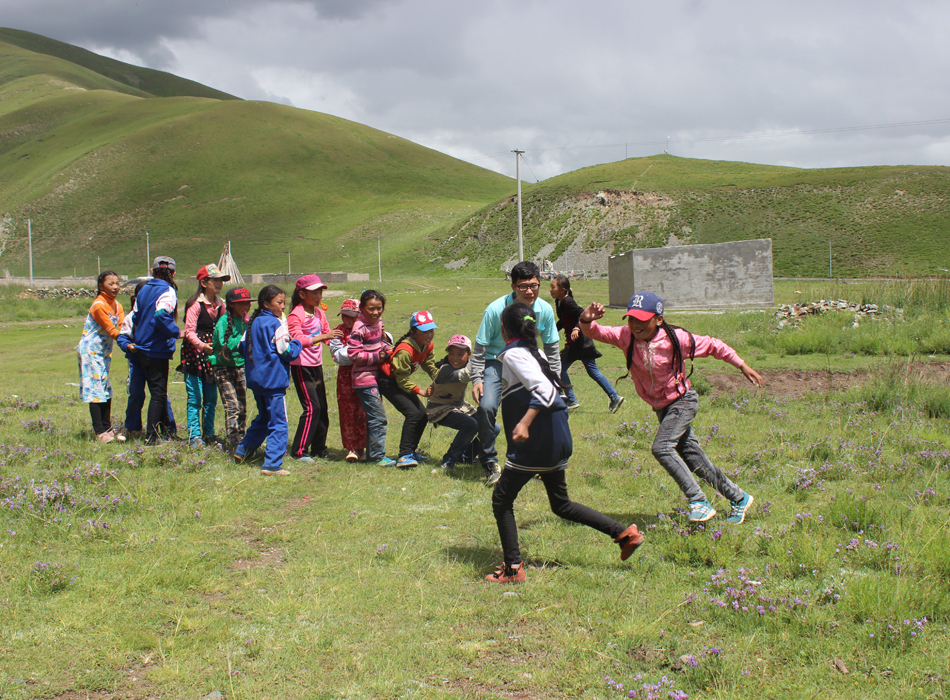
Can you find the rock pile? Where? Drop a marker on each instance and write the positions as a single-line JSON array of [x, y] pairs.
[[60, 293], [793, 313]]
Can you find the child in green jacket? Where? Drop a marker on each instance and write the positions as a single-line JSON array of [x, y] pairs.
[[229, 363]]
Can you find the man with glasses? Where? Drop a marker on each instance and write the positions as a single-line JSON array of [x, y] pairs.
[[486, 369]]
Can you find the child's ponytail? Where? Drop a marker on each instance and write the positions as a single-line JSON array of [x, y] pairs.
[[226, 350], [564, 282], [519, 322]]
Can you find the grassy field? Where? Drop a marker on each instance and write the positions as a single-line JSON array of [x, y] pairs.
[[133, 573]]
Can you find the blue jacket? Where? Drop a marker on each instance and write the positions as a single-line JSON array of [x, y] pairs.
[[155, 329], [267, 360], [523, 386]]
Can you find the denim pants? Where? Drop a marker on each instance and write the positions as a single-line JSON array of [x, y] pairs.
[[270, 424], [136, 388], [202, 400], [590, 364], [677, 450], [487, 410], [503, 500], [467, 427], [375, 421]]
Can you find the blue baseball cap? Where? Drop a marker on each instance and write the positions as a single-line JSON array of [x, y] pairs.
[[644, 306], [422, 320]]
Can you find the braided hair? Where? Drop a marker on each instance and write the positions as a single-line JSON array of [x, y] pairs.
[[263, 297], [225, 350], [518, 322]]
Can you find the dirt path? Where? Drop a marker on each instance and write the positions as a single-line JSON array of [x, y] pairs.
[[793, 384]]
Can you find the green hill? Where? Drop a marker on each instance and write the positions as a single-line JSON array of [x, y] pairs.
[[879, 220], [94, 162]]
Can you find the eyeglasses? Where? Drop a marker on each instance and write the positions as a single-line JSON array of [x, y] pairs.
[[526, 287]]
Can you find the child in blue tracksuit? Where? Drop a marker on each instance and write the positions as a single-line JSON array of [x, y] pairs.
[[135, 384], [539, 444], [268, 350], [156, 333]]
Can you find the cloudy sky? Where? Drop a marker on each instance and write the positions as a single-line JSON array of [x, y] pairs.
[[801, 83]]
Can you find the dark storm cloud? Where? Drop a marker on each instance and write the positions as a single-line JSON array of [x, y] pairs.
[[571, 83]]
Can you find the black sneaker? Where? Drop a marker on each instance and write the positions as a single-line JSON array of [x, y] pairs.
[[492, 473]]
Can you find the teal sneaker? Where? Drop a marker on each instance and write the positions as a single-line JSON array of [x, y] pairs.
[[701, 511], [386, 462], [739, 509], [305, 459]]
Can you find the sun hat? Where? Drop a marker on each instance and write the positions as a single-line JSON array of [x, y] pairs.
[[237, 295], [644, 306], [350, 307], [163, 261], [310, 282], [213, 272], [459, 341], [422, 321]]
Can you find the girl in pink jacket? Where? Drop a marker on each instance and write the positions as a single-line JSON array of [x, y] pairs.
[[654, 350], [308, 324]]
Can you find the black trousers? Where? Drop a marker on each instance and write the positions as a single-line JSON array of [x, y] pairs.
[[506, 491], [156, 378], [413, 412], [314, 422], [101, 414]]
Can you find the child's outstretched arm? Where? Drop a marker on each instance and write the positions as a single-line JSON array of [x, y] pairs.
[[614, 335], [752, 375]]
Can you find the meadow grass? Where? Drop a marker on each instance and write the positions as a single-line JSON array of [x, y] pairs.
[[133, 572]]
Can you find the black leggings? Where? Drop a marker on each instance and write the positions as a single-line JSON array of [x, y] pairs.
[[156, 377], [413, 412], [101, 416], [506, 491]]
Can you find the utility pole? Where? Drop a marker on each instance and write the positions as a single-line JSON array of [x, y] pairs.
[[148, 255], [829, 259], [29, 235], [379, 257], [288, 263], [520, 230]]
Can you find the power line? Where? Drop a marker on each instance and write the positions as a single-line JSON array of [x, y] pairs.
[[738, 137]]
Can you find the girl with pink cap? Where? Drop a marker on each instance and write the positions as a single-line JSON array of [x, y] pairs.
[[308, 324]]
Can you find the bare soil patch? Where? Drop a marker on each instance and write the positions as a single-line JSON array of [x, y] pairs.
[[793, 384]]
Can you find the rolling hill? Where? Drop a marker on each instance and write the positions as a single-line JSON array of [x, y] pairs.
[[95, 152], [94, 157], [889, 221]]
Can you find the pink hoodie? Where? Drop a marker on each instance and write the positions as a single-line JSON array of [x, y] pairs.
[[301, 327], [652, 365]]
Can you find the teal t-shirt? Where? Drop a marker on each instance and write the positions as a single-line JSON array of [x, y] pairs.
[[489, 333]]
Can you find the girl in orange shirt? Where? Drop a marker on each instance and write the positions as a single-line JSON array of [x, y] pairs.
[[95, 355]]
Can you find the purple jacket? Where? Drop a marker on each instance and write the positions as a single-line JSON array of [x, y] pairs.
[[364, 346]]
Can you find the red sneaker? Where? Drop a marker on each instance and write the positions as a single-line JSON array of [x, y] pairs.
[[629, 540], [508, 574]]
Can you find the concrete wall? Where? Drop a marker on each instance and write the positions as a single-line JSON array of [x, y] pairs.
[[718, 276]]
